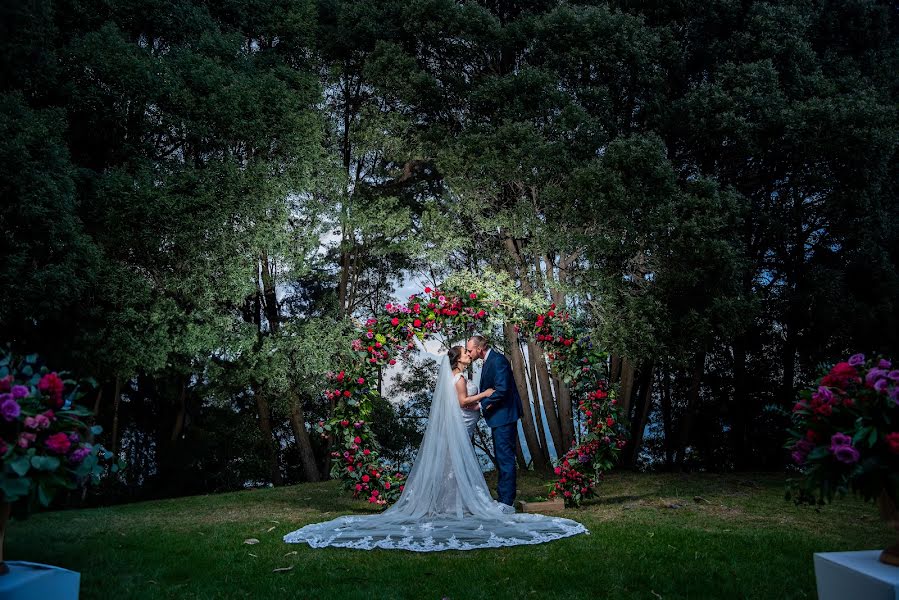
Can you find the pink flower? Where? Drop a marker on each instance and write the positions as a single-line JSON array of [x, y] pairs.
[[366, 478], [360, 381], [26, 439], [366, 452], [357, 440], [473, 296]]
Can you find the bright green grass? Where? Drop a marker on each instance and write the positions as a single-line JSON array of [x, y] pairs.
[[741, 540]]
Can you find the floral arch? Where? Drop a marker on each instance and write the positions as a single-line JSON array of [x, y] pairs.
[[462, 305]]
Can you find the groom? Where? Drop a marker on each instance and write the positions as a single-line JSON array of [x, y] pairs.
[[501, 412]]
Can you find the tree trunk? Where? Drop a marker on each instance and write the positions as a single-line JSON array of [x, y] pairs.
[[566, 418], [541, 378], [301, 436], [527, 419], [538, 414], [269, 294], [116, 399], [692, 407], [614, 368], [641, 413], [180, 415], [627, 388], [265, 428], [739, 407], [666, 418]]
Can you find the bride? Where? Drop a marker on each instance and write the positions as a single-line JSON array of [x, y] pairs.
[[445, 504], [467, 391]]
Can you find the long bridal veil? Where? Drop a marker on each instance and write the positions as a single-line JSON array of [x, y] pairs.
[[445, 504]]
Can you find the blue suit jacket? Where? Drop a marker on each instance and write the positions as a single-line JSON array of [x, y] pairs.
[[504, 406]]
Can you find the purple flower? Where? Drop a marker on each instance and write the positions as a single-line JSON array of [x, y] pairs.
[[74, 438], [369, 335], [823, 394], [798, 457], [79, 454], [894, 375], [839, 439], [804, 446], [20, 391], [10, 409], [873, 375], [846, 454], [884, 364], [881, 385], [856, 359]]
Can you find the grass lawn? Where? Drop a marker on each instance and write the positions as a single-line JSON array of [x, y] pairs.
[[649, 539]]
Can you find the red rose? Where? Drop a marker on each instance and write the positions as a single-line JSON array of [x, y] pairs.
[[893, 441], [387, 485], [340, 376], [610, 421], [551, 313], [472, 296], [52, 385], [357, 440], [481, 314], [345, 423], [366, 478], [394, 321], [416, 323], [427, 290], [58, 443]]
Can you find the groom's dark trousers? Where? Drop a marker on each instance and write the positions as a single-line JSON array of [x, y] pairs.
[[504, 438]]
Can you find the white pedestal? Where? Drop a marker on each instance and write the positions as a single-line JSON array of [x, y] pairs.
[[855, 576], [33, 581]]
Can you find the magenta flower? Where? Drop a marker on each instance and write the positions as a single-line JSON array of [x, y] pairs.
[[58, 443], [838, 440]]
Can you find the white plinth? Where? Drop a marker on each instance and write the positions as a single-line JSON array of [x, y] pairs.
[[855, 576], [33, 581]]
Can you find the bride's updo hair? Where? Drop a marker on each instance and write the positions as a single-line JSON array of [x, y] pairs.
[[454, 353]]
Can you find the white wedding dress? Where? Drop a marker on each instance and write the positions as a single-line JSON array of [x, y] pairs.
[[470, 416], [445, 504]]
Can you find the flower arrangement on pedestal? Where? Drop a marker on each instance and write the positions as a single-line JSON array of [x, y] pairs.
[[46, 441], [845, 437]]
